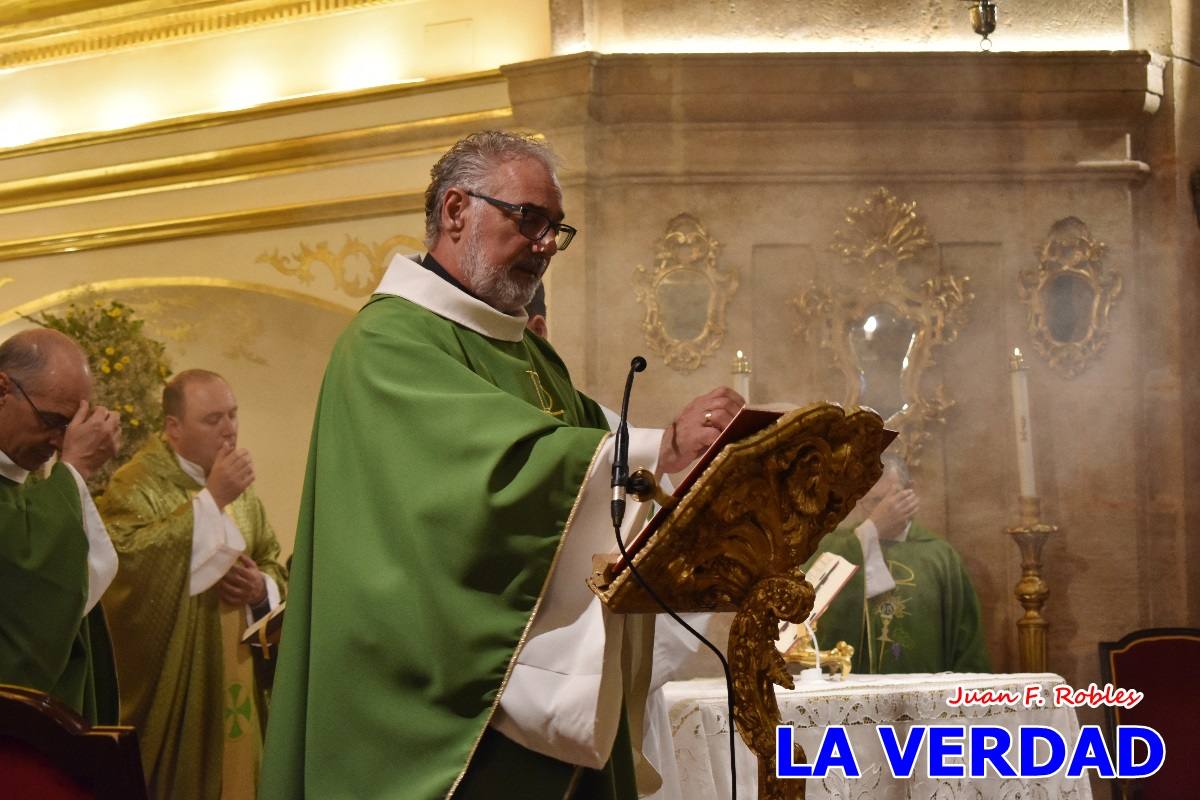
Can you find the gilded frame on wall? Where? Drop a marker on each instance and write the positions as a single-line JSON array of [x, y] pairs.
[[884, 237], [685, 264], [1068, 297]]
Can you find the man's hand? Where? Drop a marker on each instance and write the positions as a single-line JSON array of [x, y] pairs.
[[232, 472], [697, 427], [244, 584], [894, 512], [92, 438]]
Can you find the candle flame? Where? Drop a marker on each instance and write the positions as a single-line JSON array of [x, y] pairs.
[[1017, 352], [739, 354]]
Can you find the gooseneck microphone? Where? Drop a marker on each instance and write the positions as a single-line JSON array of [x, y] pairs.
[[620, 468], [620, 481]]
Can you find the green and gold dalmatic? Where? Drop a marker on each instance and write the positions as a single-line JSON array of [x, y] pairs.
[[183, 681]]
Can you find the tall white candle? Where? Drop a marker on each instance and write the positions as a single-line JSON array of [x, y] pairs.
[[741, 376], [1020, 394]]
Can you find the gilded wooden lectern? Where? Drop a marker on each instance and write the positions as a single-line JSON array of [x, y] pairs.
[[742, 525]]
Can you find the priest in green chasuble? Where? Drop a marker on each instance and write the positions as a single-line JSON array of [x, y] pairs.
[[56, 559], [440, 639], [198, 562], [911, 606]]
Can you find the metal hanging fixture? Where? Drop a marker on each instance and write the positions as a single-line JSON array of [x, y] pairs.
[[983, 20]]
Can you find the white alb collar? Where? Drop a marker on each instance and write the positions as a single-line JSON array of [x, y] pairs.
[[192, 470], [408, 279], [10, 470]]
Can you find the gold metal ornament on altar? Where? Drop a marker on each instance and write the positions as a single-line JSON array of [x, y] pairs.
[[838, 660], [736, 540], [881, 327], [685, 295], [1068, 298]]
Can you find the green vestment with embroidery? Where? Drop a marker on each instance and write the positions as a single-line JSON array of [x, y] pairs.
[[930, 622], [168, 643], [443, 470], [46, 641]]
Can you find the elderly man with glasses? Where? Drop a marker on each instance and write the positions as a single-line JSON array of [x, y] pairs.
[[440, 638], [56, 559]]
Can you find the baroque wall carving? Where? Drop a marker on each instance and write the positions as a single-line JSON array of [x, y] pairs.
[[356, 267], [685, 295], [1068, 297], [882, 327]]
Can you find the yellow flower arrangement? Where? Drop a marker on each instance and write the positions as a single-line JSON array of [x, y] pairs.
[[129, 367]]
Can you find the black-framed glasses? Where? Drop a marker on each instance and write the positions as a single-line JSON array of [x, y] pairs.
[[533, 224], [53, 422]]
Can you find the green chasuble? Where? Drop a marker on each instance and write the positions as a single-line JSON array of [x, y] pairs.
[[442, 475], [930, 622], [46, 641], [168, 643]]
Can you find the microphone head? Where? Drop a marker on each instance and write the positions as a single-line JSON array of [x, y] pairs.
[[637, 364]]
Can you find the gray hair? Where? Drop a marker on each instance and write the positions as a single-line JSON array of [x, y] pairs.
[[22, 358], [470, 163]]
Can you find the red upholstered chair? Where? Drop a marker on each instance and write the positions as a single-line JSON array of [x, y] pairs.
[[1163, 663], [48, 752]]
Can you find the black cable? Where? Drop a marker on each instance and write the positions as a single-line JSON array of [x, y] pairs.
[[620, 480], [716, 651]]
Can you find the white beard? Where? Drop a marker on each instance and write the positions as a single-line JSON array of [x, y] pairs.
[[506, 289]]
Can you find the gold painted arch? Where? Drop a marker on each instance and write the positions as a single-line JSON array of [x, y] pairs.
[[52, 299]]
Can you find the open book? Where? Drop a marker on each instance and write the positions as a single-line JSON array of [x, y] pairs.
[[828, 575]]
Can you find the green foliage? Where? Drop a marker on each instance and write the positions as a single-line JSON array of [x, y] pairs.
[[128, 370]]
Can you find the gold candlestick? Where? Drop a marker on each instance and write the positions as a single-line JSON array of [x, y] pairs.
[[1031, 591]]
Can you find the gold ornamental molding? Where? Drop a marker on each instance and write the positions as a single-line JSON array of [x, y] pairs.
[[287, 216], [403, 139], [1068, 298], [357, 267], [50, 30], [278, 108], [881, 327], [685, 295]]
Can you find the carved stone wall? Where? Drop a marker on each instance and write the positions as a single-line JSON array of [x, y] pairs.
[[768, 151]]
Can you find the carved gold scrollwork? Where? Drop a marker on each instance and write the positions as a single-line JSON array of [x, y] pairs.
[[756, 666], [356, 267], [883, 329], [735, 542], [685, 295], [1068, 298]]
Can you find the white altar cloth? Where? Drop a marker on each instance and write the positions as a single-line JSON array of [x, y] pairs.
[[688, 736]]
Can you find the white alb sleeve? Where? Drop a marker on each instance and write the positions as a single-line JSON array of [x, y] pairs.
[[875, 569], [216, 543], [102, 556], [563, 697]]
